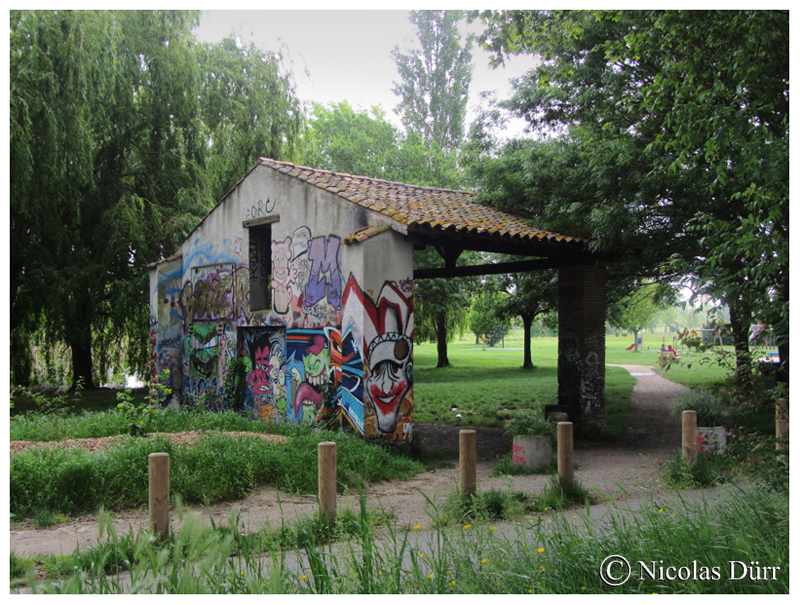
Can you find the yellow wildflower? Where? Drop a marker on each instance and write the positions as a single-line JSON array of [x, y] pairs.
[[540, 551], [484, 560], [416, 527], [303, 578], [468, 525]]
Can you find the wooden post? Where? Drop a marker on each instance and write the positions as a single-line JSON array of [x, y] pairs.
[[467, 440], [566, 468], [158, 498], [689, 436], [781, 421], [326, 482]]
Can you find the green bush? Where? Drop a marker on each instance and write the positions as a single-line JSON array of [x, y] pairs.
[[529, 423], [713, 408]]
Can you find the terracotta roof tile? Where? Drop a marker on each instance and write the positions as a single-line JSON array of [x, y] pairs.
[[414, 205]]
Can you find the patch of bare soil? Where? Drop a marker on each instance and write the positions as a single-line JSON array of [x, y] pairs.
[[617, 471]]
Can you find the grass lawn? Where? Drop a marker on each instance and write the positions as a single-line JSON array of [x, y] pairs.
[[488, 386]]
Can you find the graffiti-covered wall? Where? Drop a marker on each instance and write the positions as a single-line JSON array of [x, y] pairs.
[[323, 324]]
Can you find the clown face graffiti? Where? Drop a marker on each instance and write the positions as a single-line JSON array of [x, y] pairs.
[[390, 377]]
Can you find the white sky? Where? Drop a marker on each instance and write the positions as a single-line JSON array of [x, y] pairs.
[[345, 54]]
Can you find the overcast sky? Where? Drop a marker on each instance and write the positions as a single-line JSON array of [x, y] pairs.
[[346, 54]]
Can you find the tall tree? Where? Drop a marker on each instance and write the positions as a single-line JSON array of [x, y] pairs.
[[639, 308], [249, 109], [102, 144], [434, 80], [529, 295], [366, 144], [672, 142], [433, 88], [110, 166]]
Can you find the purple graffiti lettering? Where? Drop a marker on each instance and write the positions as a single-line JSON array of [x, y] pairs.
[[326, 272]]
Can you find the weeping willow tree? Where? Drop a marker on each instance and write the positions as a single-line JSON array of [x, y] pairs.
[[115, 135]]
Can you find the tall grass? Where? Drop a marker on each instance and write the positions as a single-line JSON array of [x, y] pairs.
[[89, 425], [215, 468], [553, 554]]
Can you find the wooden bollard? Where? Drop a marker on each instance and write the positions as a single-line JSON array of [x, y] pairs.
[[781, 421], [566, 469], [326, 482], [689, 436], [467, 441], [158, 497]]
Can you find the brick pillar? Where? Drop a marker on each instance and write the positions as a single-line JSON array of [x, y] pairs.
[[581, 342]]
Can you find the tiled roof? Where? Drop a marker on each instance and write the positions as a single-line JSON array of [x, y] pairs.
[[413, 205]]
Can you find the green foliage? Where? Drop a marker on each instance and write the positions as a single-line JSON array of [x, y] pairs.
[[16, 567], [139, 418], [713, 408], [123, 133], [235, 382], [491, 505], [675, 171], [484, 318], [530, 423], [710, 469], [434, 80], [558, 496]]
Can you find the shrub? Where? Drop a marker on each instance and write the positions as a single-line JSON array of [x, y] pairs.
[[712, 407], [528, 423]]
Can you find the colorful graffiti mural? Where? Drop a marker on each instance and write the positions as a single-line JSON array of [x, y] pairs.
[[266, 392], [307, 364], [385, 329], [323, 351]]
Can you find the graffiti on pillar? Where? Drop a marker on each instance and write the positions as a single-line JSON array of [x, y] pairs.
[[384, 329], [592, 384]]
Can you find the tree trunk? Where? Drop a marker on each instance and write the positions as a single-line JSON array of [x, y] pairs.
[[527, 321], [81, 348], [441, 341], [740, 326]]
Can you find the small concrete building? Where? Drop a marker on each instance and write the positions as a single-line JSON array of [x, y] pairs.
[[307, 276]]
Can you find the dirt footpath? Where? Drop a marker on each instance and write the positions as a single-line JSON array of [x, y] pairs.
[[620, 471]]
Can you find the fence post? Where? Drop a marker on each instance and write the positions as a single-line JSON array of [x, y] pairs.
[[158, 497], [566, 469], [689, 436], [781, 421], [326, 482], [467, 440]]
